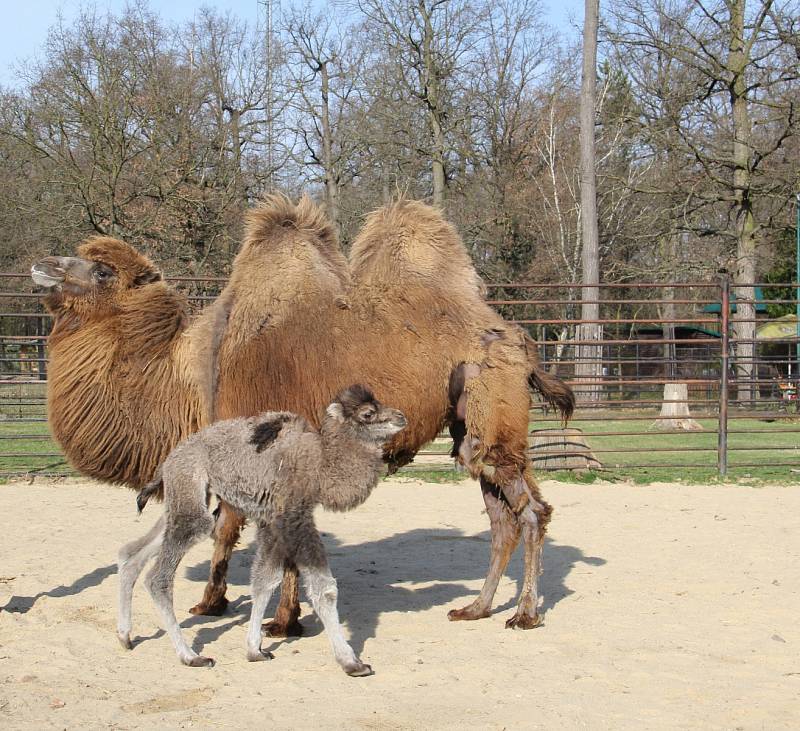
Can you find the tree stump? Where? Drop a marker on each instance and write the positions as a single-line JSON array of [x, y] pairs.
[[675, 414], [561, 449]]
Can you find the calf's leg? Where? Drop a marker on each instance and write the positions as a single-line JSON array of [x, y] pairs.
[[264, 579], [309, 554], [132, 559], [179, 535]]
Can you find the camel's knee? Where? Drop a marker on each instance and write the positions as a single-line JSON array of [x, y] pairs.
[[521, 495], [331, 592], [542, 509], [159, 581], [126, 553], [322, 588], [328, 590], [142, 546]]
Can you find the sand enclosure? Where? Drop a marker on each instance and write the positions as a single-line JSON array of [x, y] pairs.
[[666, 606]]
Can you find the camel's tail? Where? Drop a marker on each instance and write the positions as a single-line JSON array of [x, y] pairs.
[[557, 393], [154, 487]]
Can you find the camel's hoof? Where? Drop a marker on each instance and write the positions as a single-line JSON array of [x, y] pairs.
[[125, 640], [359, 670], [216, 609], [524, 621], [259, 655], [467, 613], [275, 628], [199, 662]]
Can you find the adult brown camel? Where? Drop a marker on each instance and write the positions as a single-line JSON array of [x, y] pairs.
[[294, 325]]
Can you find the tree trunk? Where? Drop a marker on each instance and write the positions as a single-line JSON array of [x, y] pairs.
[[590, 361], [432, 98], [675, 409], [668, 310], [331, 177], [236, 148], [562, 449], [744, 325]]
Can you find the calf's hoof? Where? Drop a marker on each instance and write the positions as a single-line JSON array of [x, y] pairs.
[[278, 628], [524, 621], [358, 669], [198, 661], [210, 609], [125, 640], [468, 613], [259, 655]]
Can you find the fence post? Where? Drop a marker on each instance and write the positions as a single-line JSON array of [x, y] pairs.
[[722, 430], [41, 353]]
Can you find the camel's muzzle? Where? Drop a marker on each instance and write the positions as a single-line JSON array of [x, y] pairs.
[[51, 271]]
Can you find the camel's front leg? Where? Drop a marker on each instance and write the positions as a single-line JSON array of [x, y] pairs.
[[505, 536], [226, 534], [534, 514], [285, 623]]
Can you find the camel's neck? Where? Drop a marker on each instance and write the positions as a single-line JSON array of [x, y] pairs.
[[118, 395], [350, 468]]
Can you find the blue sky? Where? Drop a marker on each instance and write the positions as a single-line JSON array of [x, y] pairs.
[[25, 22]]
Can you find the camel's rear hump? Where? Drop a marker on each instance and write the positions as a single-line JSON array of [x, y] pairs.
[[410, 243]]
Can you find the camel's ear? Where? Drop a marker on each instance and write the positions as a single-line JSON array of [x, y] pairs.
[[148, 276], [335, 411]]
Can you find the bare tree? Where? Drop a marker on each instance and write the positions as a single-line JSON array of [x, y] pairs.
[[496, 136], [325, 71], [431, 44], [725, 120], [589, 357]]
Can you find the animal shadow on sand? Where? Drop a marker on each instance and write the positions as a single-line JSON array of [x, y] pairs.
[[23, 604], [378, 577]]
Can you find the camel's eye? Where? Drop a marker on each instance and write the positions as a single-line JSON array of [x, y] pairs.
[[368, 414], [102, 273]]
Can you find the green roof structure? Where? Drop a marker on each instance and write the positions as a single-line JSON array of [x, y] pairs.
[[716, 308]]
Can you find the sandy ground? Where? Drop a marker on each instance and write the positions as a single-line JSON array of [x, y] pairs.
[[668, 606]]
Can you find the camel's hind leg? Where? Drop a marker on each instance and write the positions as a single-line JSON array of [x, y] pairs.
[[132, 559], [505, 536], [264, 579], [492, 400], [534, 515], [226, 536], [181, 533], [186, 520]]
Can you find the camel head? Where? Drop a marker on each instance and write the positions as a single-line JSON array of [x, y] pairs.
[[104, 270], [357, 408]]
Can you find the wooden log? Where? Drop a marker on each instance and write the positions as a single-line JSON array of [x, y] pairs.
[[675, 410], [561, 449]]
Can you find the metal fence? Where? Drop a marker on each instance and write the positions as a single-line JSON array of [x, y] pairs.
[[731, 390]]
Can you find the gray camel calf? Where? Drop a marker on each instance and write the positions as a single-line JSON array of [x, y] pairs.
[[274, 468]]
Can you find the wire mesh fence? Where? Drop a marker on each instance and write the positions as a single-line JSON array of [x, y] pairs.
[[677, 378]]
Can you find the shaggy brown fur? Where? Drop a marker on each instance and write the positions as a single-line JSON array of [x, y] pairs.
[[118, 394], [414, 312], [295, 324]]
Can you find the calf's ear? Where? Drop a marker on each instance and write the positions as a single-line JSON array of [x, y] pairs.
[[335, 411]]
